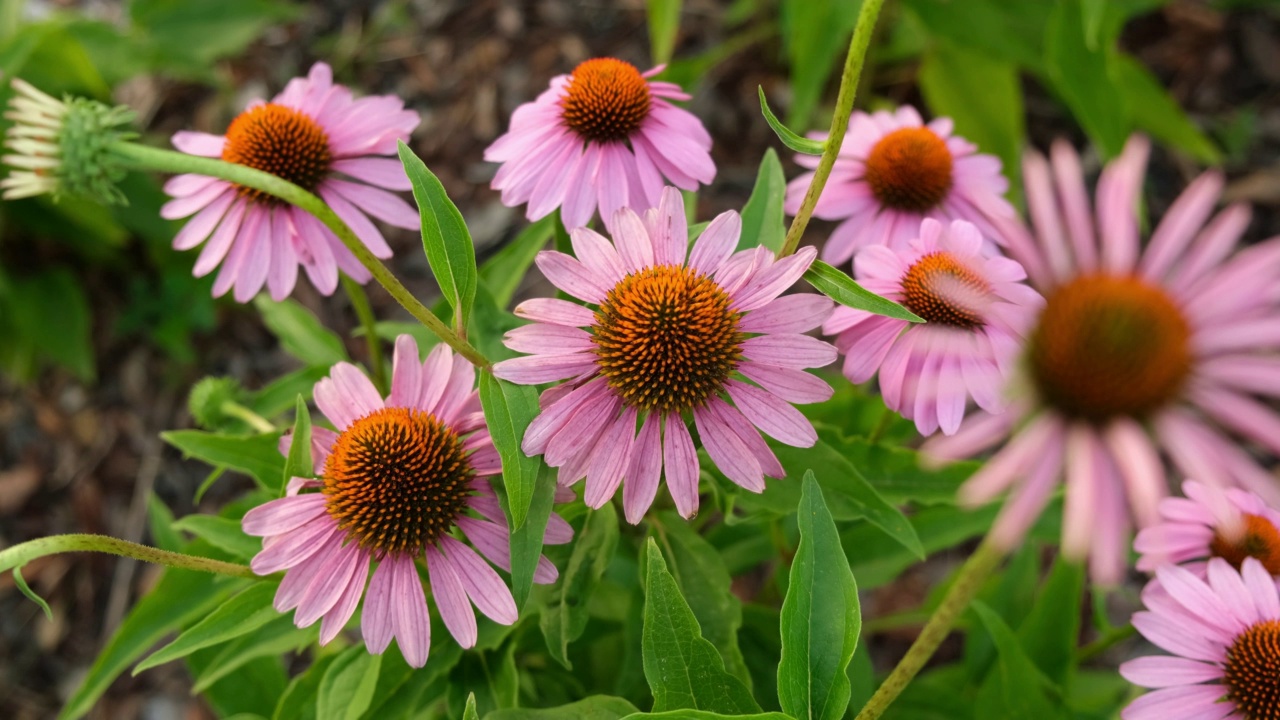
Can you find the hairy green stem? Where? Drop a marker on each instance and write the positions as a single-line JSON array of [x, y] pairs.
[[142, 157], [23, 553], [250, 418], [360, 301], [967, 583], [839, 122]]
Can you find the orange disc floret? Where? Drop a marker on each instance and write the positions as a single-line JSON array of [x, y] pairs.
[[910, 169], [667, 338], [941, 290], [1252, 671], [1259, 539], [397, 479], [281, 141], [1109, 346], [605, 100]]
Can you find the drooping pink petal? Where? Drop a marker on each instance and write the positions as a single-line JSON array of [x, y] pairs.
[[451, 599], [681, 462]]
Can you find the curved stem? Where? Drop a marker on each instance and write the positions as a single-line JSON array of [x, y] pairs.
[[360, 302], [967, 583], [142, 157], [839, 123], [23, 553], [250, 418]]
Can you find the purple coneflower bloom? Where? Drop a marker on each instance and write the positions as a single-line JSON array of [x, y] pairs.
[[395, 481], [1208, 522], [667, 338], [977, 310], [1135, 353], [892, 172], [315, 135], [1224, 634], [602, 135]]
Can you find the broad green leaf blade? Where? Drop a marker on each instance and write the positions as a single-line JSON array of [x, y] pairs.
[[255, 455], [684, 670], [508, 410], [702, 715], [705, 583], [983, 95], [843, 289], [299, 463], [275, 639], [502, 272], [1156, 112], [895, 472], [1082, 77], [445, 237], [226, 534], [1051, 630], [821, 617], [469, 713], [400, 687], [299, 699], [300, 333], [1026, 692], [790, 139], [664, 23], [526, 541], [596, 707], [763, 222], [564, 616], [346, 690], [243, 613]]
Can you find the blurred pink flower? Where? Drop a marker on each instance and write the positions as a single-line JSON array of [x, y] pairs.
[[602, 135], [1224, 635], [1209, 523], [668, 336], [892, 172], [394, 482], [976, 308], [315, 135], [1134, 353]]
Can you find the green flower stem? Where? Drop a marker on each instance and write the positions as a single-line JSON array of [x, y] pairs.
[[142, 157], [839, 123], [360, 301], [967, 583], [250, 418], [1109, 639], [23, 553]]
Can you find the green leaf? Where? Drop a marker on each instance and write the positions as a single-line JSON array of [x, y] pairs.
[[664, 23], [160, 523], [188, 35], [526, 541], [1094, 12], [895, 471], [180, 597], [223, 533], [1081, 76], [983, 95], [1051, 630], [1009, 31], [470, 712], [763, 222], [400, 686], [815, 34], [277, 638], [705, 583], [1156, 112], [820, 617], [564, 616], [21, 582], [280, 394], [505, 269], [786, 135], [50, 311], [843, 289], [445, 238], [684, 670], [298, 701], [703, 715], [255, 455], [346, 690], [299, 463], [596, 707], [1026, 692], [876, 559], [508, 410], [243, 613], [300, 333]]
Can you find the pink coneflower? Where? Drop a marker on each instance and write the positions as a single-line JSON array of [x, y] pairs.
[[602, 135], [976, 308], [316, 136], [1208, 522], [1135, 353], [894, 171], [395, 481], [1224, 634], [667, 337]]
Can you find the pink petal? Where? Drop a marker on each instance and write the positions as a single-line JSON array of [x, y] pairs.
[[728, 452], [789, 350], [632, 238], [555, 312], [406, 373], [1158, 671], [598, 255], [283, 515], [670, 231], [383, 172], [610, 459], [337, 617], [199, 143], [538, 369], [482, 583], [571, 276], [774, 416], [681, 461], [791, 385], [716, 243], [640, 483], [540, 339], [789, 314], [451, 599]]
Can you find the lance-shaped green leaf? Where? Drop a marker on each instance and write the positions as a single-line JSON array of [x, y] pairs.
[[1019, 689], [762, 217], [844, 290], [469, 712], [684, 670], [664, 22], [299, 463], [820, 616], [300, 333], [445, 237], [564, 616], [346, 690], [226, 534], [526, 541], [255, 455], [790, 139], [508, 410], [243, 613], [596, 707]]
